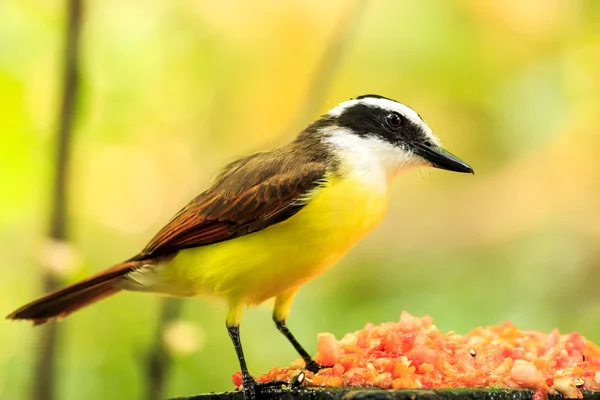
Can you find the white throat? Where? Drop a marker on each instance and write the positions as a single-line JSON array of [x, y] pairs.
[[368, 158]]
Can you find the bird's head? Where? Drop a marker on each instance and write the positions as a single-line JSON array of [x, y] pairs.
[[372, 129]]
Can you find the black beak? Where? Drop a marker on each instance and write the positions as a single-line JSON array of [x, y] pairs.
[[441, 158]]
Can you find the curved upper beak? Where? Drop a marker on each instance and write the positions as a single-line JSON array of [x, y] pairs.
[[439, 157]]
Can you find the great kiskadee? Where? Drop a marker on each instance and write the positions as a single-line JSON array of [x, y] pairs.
[[274, 220]]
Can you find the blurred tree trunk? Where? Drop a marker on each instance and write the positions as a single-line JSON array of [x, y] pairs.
[[44, 378], [158, 361]]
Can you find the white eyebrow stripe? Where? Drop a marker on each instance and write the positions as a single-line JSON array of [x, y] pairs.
[[391, 105]]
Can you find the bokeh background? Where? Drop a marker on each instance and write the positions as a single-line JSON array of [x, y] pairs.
[[171, 91]]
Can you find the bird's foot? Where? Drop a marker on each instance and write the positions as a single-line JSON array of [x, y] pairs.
[[253, 389], [314, 367]]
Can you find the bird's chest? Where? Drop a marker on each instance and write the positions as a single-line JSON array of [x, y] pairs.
[[345, 211], [312, 241]]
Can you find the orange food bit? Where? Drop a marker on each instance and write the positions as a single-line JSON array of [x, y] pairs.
[[414, 353], [329, 349], [337, 370]]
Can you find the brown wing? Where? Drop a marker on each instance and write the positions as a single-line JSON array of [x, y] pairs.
[[250, 195]]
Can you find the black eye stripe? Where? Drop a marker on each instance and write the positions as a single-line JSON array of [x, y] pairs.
[[370, 120]]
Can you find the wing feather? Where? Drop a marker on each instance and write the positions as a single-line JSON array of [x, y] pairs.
[[250, 195]]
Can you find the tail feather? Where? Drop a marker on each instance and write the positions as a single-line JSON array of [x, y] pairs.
[[64, 301]]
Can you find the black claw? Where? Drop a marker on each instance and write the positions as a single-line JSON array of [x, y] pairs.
[[250, 389], [314, 367]]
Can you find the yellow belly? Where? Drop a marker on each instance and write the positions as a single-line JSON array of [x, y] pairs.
[[261, 265]]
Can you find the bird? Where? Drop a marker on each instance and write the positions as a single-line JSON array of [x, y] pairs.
[[273, 220]]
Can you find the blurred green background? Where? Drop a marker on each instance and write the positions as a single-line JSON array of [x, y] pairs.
[[171, 91]]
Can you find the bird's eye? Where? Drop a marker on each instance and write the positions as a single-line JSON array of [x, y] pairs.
[[394, 120]]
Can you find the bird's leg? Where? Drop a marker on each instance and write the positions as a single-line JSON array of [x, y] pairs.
[[283, 302], [249, 382], [251, 387], [234, 317], [311, 364]]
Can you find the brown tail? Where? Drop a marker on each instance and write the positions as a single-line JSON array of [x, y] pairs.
[[64, 301]]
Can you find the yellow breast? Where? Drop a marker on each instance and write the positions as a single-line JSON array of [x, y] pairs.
[[261, 265]]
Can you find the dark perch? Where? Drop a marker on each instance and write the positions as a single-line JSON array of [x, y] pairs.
[[379, 394]]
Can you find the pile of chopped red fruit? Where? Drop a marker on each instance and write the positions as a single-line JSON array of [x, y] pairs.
[[414, 353]]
